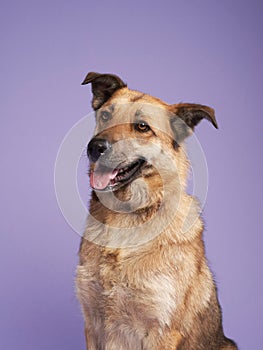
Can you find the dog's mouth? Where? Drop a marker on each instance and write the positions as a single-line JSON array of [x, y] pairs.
[[106, 179]]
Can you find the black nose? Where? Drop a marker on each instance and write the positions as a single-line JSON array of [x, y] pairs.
[[96, 148]]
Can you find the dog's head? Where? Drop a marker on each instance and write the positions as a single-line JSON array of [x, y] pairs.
[[137, 136]]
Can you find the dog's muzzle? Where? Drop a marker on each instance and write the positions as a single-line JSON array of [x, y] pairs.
[[111, 170]]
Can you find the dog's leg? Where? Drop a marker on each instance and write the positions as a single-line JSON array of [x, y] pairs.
[[90, 341], [94, 341], [228, 345]]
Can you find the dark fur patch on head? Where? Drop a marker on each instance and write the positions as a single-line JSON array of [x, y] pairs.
[[180, 131], [105, 114], [137, 98]]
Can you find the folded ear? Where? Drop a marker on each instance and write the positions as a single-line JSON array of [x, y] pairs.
[[192, 113], [103, 87], [187, 116]]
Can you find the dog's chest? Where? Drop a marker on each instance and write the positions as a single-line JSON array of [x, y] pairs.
[[134, 292]]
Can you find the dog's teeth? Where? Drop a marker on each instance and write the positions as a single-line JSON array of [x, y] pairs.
[[123, 170]]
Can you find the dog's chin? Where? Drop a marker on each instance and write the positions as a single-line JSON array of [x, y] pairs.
[[104, 179]]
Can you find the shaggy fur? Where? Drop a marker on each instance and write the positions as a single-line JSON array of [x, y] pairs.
[[143, 279]]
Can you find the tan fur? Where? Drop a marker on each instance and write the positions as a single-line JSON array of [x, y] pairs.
[[143, 280]]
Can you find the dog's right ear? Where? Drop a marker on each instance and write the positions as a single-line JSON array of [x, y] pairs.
[[103, 87]]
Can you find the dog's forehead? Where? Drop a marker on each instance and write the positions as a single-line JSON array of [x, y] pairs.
[[126, 95], [131, 106]]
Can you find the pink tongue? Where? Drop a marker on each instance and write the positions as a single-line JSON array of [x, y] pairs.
[[100, 180]]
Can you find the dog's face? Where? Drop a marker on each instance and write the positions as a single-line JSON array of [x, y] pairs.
[[137, 136], [130, 137]]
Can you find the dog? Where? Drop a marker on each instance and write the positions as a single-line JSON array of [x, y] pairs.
[[143, 281]]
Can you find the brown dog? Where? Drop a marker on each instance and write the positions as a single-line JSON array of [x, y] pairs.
[[143, 280]]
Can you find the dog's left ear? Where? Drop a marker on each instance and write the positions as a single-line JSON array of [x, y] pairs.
[[103, 87], [187, 116]]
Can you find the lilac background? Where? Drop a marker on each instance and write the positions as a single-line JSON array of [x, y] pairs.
[[198, 51]]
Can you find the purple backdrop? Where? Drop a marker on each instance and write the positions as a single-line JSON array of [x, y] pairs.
[[197, 51]]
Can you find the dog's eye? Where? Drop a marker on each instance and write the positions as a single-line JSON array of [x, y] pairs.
[[142, 126], [105, 116]]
